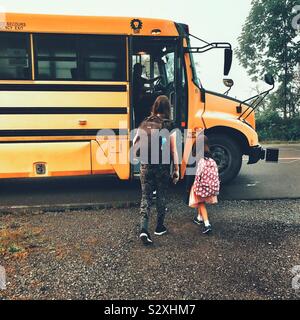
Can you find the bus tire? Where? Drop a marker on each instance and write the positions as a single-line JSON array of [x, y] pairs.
[[228, 155]]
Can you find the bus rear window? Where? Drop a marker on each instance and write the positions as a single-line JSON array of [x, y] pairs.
[[82, 58], [14, 56]]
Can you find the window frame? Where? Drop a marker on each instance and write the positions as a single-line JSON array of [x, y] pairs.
[[79, 56], [29, 52]]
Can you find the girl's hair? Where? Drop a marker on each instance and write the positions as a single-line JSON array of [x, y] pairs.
[[202, 140], [162, 106], [207, 152]]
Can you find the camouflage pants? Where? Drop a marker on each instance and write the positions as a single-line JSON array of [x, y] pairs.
[[153, 177]]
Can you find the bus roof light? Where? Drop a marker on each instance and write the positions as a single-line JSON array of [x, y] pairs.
[[156, 32]]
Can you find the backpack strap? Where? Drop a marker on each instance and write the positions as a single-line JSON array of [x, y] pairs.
[[154, 118]]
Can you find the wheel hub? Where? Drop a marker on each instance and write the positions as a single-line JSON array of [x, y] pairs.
[[222, 157]]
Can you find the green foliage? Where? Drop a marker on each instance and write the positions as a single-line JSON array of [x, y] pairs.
[[268, 43], [265, 36], [270, 126]]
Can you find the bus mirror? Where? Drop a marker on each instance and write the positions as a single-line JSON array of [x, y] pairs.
[[228, 61], [269, 79], [228, 83]]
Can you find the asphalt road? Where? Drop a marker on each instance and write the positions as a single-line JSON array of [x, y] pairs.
[[268, 180], [261, 181]]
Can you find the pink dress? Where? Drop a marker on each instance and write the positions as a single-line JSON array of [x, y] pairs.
[[195, 199]]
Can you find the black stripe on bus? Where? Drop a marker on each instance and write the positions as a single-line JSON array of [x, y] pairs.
[[61, 132], [63, 87], [62, 110], [43, 141]]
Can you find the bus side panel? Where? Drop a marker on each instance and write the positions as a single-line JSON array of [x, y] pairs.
[[62, 122], [20, 160], [100, 163], [111, 155], [62, 98], [53, 116]]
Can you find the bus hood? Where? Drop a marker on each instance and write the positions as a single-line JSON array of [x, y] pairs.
[[225, 107]]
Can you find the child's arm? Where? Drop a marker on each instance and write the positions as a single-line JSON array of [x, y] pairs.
[[175, 157], [199, 171], [136, 137]]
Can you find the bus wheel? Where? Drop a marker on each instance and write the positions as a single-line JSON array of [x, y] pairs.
[[228, 156]]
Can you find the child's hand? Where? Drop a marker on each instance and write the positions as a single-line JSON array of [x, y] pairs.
[[175, 176]]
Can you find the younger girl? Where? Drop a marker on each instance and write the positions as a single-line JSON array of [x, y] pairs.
[[206, 187]]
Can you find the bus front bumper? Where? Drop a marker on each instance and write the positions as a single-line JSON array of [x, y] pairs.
[[259, 153]]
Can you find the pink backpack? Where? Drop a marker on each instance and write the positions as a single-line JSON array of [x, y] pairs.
[[207, 182]]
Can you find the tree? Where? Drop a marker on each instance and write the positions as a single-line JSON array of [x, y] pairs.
[[296, 92], [268, 43]]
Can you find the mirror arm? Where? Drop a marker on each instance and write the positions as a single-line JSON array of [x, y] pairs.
[[215, 45], [257, 104], [191, 35], [256, 97], [208, 47], [227, 92]]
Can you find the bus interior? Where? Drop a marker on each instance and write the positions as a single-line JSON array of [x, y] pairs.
[[157, 58]]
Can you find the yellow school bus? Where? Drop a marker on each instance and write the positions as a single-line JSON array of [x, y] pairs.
[[64, 78]]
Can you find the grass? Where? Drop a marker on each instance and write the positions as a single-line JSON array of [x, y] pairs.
[[17, 241], [13, 248]]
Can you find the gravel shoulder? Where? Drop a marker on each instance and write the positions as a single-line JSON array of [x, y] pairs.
[[97, 255]]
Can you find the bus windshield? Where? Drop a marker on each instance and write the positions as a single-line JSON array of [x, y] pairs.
[[196, 79]]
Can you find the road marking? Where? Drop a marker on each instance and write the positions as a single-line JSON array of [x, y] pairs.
[[253, 184], [291, 160]]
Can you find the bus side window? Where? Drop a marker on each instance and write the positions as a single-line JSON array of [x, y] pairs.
[[80, 57], [103, 58], [14, 56], [56, 57]]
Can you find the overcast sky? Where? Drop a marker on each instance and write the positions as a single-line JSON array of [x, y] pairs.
[[219, 20]]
